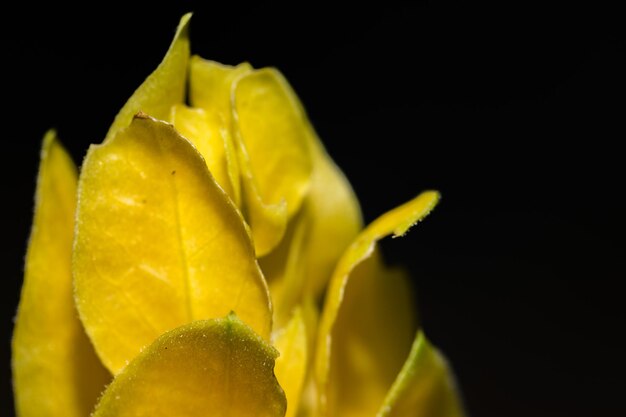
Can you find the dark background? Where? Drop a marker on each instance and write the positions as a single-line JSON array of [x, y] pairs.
[[516, 121]]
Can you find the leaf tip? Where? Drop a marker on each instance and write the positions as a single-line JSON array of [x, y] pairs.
[[422, 206]]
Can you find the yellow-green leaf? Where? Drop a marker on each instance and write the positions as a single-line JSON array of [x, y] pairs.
[[302, 264], [163, 88], [332, 209], [366, 328], [308, 403], [371, 339], [273, 136], [206, 131], [206, 368], [274, 132], [158, 244], [268, 222], [210, 89], [211, 85], [55, 370], [291, 365], [425, 387], [286, 269]]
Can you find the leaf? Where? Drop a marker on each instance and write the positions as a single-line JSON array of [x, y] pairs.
[[425, 387], [268, 222], [211, 85], [210, 137], [210, 90], [291, 365], [55, 370], [371, 338], [158, 244], [286, 268], [273, 137], [217, 367], [274, 133], [333, 210], [303, 263], [366, 329], [163, 88]]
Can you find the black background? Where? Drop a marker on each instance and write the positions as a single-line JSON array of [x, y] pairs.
[[516, 121]]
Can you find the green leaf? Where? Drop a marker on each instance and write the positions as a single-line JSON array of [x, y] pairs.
[[217, 367], [425, 387]]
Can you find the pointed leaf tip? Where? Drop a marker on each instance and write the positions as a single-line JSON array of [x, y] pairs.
[[425, 387], [162, 89]]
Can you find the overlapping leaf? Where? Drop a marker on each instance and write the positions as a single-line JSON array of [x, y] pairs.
[[209, 367], [366, 328], [55, 370], [158, 244]]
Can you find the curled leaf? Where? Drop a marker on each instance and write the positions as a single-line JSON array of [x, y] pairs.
[[273, 132], [359, 351], [330, 219], [210, 87], [273, 138]]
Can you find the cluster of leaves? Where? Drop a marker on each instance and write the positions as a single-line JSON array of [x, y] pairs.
[[195, 246]]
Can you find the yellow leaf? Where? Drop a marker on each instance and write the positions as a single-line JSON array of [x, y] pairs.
[[425, 386], [163, 88], [274, 132], [206, 368], [50, 349], [308, 399], [291, 365], [210, 137], [287, 270], [366, 327], [158, 244], [371, 338], [268, 222], [273, 136], [210, 89], [303, 262], [211, 85], [332, 209]]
